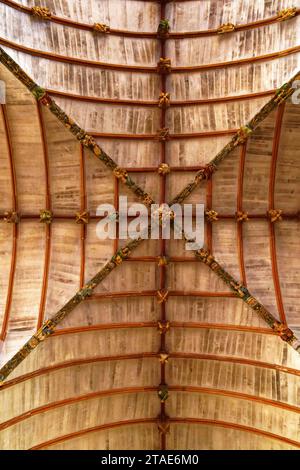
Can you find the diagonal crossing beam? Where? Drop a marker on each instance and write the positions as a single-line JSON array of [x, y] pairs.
[[239, 138]]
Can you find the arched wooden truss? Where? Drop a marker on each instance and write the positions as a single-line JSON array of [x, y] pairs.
[[173, 349]]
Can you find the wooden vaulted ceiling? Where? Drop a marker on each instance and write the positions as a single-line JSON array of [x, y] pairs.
[[232, 382]]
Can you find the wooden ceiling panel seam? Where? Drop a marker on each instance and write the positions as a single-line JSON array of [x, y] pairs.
[[15, 230], [119, 32], [145, 69]]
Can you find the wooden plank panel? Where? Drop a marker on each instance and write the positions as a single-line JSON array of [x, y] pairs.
[[235, 80], [79, 381], [228, 47], [138, 437], [258, 263], [89, 345], [27, 287], [229, 343], [196, 275], [212, 310], [95, 117], [129, 277], [213, 117], [287, 182], [205, 14], [233, 410], [6, 246], [257, 167], [64, 166], [224, 243], [133, 14], [5, 172], [191, 152], [79, 416], [64, 269], [225, 184], [288, 254], [73, 42], [242, 378], [205, 437], [116, 311]]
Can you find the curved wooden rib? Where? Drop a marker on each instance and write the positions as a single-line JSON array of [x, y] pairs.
[[286, 215], [124, 357], [151, 293], [143, 68], [130, 422], [239, 427], [14, 228], [194, 135], [116, 206], [47, 226], [154, 104], [129, 390], [248, 60], [277, 132], [162, 242], [240, 209], [209, 227], [125, 33], [82, 209], [224, 424], [173, 324]]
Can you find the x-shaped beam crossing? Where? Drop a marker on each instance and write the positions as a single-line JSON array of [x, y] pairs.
[[202, 255]]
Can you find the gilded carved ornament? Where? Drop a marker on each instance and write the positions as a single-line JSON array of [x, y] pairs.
[[164, 65], [121, 174], [226, 28], [242, 216], [163, 134], [162, 296], [163, 29], [163, 392], [41, 12], [275, 215], [162, 261], [163, 327], [11, 217], [101, 28], [286, 14], [164, 100], [211, 215], [82, 217], [164, 169], [46, 216]]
